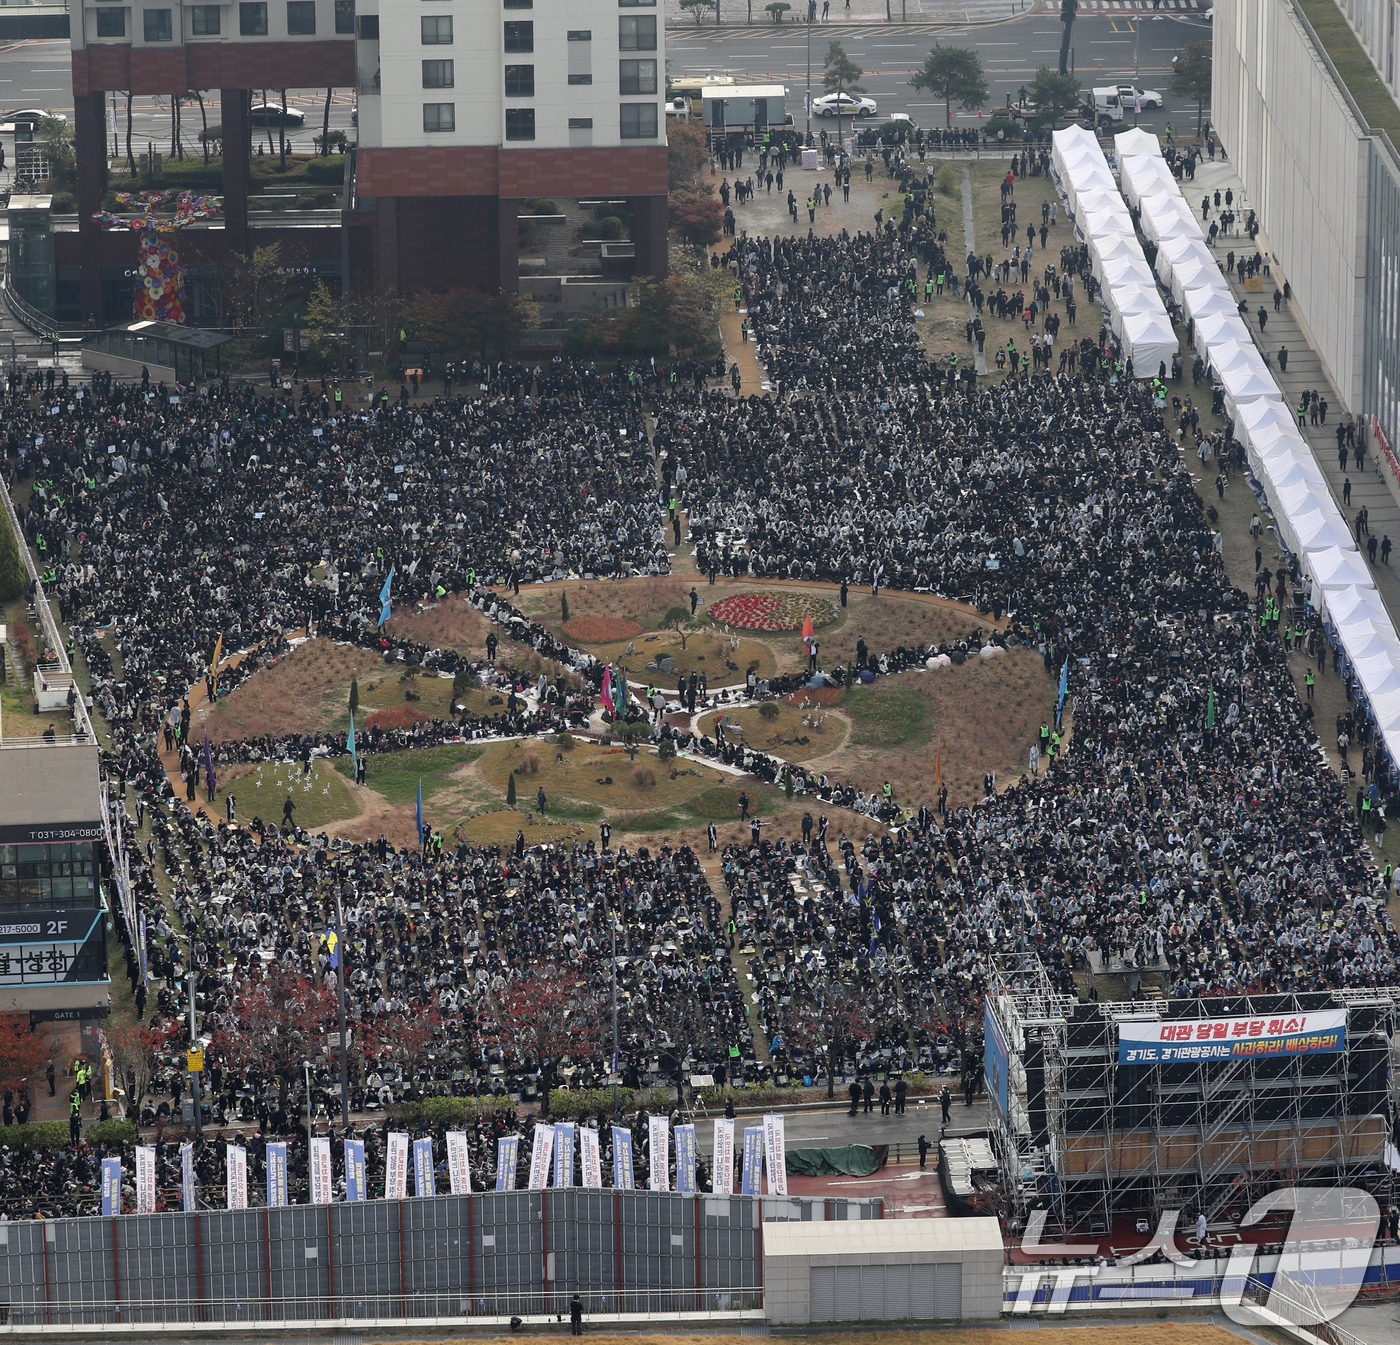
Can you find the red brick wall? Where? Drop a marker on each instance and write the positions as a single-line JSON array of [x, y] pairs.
[[487, 171], [328, 63]]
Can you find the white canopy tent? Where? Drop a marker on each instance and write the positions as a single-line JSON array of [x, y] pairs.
[[1167, 216], [1134, 143], [1070, 140], [1379, 674], [1319, 528], [1284, 470], [1344, 604], [1110, 245], [1084, 178], [1100, 223], [1178, 249], [1335, 568], [1218, 331], [1365, 636], [1095, 200], [1145, 175], [1243, 385], [1263, 415], [1129, 269], [1192, 274], [1148, 340], [1207, 300]]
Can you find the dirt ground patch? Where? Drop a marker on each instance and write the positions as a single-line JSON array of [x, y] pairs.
[[793, 734], [448, 624], [895, 619], [600, 629], [641, 601], [724, 662], [301, 693]]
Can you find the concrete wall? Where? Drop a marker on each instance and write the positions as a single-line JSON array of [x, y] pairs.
[[1303, 161], [792, 1250], [43, 785]]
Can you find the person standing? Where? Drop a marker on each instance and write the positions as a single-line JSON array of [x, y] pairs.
[[923, 1152], [576, 1316]]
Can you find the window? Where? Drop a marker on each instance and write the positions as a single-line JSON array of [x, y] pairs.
[[439, 116], [437, 30], [369, 27], [520, 81], [580, 35], [252, 19], [520, 35], [45, 877], [204, 21], [636, 77], [519, 4], [345, 16], [580, 123], [437, 74], [638, 121], [636, 4], [111, 23], [157, 25], [580, 79], [301, 17], [637, 34], [520, 123]]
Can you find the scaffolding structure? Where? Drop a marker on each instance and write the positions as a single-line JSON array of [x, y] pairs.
[[1086, 1138]]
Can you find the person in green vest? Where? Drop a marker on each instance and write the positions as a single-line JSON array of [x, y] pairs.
[[1308, 680]]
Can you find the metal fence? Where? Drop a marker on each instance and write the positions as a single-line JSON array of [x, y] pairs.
[[521, 1253]]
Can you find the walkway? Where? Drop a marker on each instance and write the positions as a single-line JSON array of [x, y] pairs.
[[1305, 372]]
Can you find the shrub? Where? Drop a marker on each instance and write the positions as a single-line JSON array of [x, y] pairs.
[[948, 181], [666, 749], [461, 682], [564, 606], [567, 742], [510, 790], [41, 1135], [400, 717], [643, 777], [109, 1132], [768, 710], [529, 765], [11, 566]]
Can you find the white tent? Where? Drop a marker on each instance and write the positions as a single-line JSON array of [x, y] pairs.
[[1070, 140], [1344, 604], [1129, 144], [1099, 223], [1317, 529], [1385, 708], [1232, 357], [1084, 178], [1284, 470], [1270, 438], [1095, 201], [1148, 340], [1219, 330], [1207, 300], [1145, 175], [1261, 416], [1364, 636], [1167, 216], [1336, 567], [1178, 249], [1243, 385], [1192, 274], [1378, 674], [1301, 498], [1129, 269], [1110, 245]]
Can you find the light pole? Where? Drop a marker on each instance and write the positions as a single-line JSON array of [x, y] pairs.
[[615, 1061], [340, 1001], [296, 345], [808, 99], [306, 1065], [195, 1074]]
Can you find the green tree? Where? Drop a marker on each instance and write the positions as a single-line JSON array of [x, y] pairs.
[[698, 7], [564, 606], [11, 565], [696, 216], [675, 618], [685, 153], [953, 74], [777, 8], [839, 76], [1191, 78], [355, 694], [1054, 96], [322, 325], [510, 790], [56, 138]]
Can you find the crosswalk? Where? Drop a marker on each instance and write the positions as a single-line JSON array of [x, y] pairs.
[[1141, 6]]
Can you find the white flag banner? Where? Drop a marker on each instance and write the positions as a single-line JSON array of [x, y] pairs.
[[396, 1167], [592, 1158], [775, 1153], [321, 1187], [237, 1159], [541, 1156], [459, 1168], [145, 1179], [660, 1135], [723, 1182]]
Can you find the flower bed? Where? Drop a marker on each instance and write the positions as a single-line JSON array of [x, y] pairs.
[[398, 717], [600, 629], [773, 611]]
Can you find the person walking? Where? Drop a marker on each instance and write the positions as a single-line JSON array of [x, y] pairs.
[[576, 1316]]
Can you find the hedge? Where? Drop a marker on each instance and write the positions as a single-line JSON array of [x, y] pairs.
[[110, 1132], [40, 1135]]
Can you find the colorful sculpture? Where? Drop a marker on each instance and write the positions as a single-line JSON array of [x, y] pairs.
[[160, 284]]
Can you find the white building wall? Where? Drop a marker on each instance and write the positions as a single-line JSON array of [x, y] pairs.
[[1377, 25], [1303, 160], [479, 59]]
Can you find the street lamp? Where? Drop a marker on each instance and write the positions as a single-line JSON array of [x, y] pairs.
[[306, 1065], [808, 99], [194, 1073], [296, 345], [340, 1001]]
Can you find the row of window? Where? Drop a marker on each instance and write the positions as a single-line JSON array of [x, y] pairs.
[[633, 33], [158, 25], [636, 121], [621, 4], [634, 78]]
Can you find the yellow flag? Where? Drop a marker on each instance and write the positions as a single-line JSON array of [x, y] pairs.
[[214, 662]]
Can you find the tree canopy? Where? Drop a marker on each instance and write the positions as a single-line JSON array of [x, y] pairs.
[[953, 74]]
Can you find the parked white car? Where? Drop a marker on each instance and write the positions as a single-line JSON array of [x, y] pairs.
[[844, 105]]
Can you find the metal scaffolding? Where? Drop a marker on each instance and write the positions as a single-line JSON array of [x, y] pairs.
[[1085, 1138]]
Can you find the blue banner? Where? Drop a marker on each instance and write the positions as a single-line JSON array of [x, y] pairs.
[[277, 1174], [507, 1155], [753, 1161], [187, 1190], [354, 1169], [564, 1153], [622, 1159], [111, 1186], [996, 1058], [685, 1159], [423, 1167]]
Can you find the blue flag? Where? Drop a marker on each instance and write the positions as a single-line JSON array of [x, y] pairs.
[[420, 810], [423, 1167], [354, 1169], [384, 597], [350, 745], [1064, 685], [623, 1176], [277, 1174], [111, 1186], [187, 1188]]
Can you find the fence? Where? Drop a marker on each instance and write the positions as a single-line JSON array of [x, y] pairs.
[[520, 1253]]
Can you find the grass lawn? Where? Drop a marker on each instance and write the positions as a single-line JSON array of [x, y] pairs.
[[707, 652], [786, 734], [887, 716], [396, 775], [261, 790], [1354, 66]]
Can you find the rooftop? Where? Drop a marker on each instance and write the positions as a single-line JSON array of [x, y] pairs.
[[1348, 56]]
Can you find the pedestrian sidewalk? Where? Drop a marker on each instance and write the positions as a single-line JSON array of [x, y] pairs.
[[1305, 372]]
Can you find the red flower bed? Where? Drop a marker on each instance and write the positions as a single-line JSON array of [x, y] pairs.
[[400, 717], [773, 611], [600, 629]]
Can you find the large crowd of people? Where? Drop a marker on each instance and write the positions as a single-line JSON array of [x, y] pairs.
[[1191, 823]]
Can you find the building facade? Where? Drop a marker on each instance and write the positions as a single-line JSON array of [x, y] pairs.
[[468, 110], [1326, 185]]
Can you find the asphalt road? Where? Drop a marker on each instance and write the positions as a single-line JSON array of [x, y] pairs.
[[39, 74], [1105, 47]]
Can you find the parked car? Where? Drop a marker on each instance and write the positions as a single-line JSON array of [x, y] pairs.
[[1151, 99], [271, 114], [844, 105], [28, 118]]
